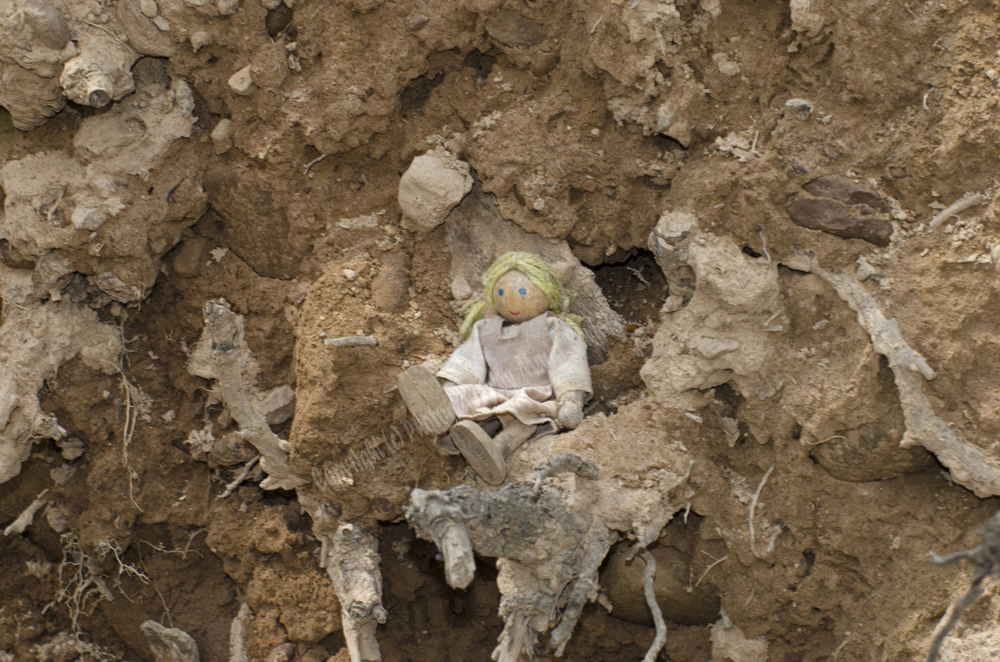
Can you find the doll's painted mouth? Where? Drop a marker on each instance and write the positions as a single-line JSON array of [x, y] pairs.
[[517, 313]]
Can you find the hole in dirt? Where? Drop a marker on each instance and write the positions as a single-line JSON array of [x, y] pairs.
[[751, 252], [635, 287], [481, 62], [426, 612], [310, 153], [416, 94], [809, 559], [278, 19]]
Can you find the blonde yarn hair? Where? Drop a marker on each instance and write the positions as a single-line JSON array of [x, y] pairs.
[[538, 272]]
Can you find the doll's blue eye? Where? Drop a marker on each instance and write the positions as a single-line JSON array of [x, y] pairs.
[[523, 291], [500, 291]]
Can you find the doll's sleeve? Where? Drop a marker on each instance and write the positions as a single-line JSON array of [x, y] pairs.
[[467, 364], [568, 368]]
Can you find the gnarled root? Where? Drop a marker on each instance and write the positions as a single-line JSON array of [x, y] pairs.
[[567, 463], [353, 564], [101, 73], [229, 351], [585, 587], [517, 637], [433, 516]]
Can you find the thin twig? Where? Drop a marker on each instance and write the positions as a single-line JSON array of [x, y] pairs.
[[314, 162], [352, 341], [166, 609], [817, 443], [956, 208], [763, 245], [638, 274], [753, 507], [986, 559], [747, 603], [231, 487], [648, 576], [709, 569], [128, 430]]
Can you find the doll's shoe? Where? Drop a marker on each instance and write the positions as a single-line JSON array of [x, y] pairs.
[[480, 451], [426, 399]]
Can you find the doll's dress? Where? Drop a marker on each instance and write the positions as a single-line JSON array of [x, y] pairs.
[[516, 370]]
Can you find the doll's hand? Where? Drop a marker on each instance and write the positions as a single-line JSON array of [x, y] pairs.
[[571, 409]]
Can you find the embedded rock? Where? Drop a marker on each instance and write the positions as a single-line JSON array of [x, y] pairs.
[[871, 452], [48, 23], [853, 220], [681, 604], [846, 191], [515, 29], [431, 187]]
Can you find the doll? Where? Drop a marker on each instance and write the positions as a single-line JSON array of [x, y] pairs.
[[523, 368]]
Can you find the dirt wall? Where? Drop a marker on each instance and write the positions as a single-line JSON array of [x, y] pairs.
[[778, 218]]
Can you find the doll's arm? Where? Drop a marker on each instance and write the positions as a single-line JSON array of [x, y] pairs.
[[466, 365], [568, 372], [571, 408]]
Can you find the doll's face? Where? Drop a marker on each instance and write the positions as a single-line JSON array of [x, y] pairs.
[[518, 299]]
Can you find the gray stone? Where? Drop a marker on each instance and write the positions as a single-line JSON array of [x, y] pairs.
[[241, 83], [170, 644], [87, 218], [222, 136], [277, 405], [431, 187]]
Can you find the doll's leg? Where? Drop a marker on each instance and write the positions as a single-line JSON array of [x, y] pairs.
[[426, 399], [488, 456], [447, 447]]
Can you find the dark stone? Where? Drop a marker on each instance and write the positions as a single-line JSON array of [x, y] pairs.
[[11, 257], [190, 257], [48, 23], [850, 222], [897, 173], [846, 191], [623, 581], [515, 29], [871, 452], [543, 63], [256, 228], [228, 450]]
